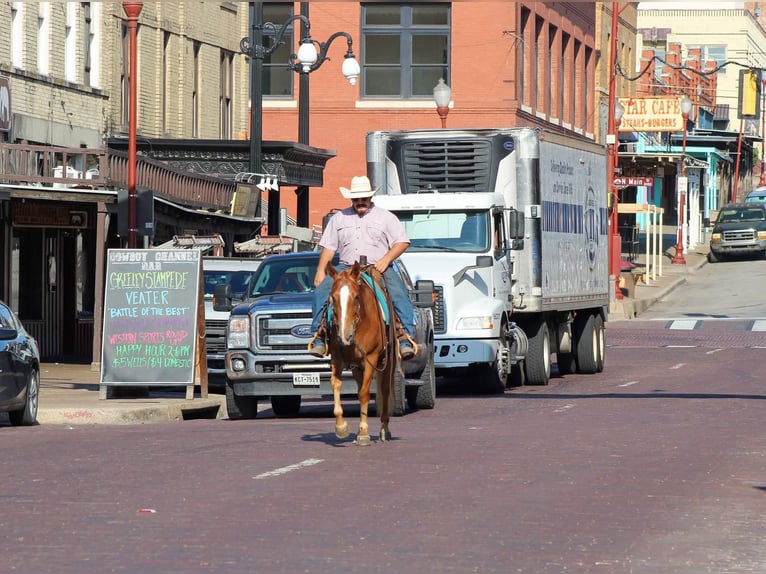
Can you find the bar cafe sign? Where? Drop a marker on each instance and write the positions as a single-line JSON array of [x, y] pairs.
[[652, 114]]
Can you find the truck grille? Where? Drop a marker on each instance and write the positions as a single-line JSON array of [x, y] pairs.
[[438, 311], [215, 336], [276, 332], [739, 235], [447, 166]]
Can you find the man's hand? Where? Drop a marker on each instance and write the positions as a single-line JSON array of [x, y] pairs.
[[319, 276]]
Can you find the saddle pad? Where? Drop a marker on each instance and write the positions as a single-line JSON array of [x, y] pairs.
[[378, 294]]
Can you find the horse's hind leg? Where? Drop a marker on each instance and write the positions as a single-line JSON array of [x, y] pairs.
[[384, 400], [341, 426]]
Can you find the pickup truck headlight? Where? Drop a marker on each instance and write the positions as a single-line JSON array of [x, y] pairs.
[[762, 235], [483, 322], [238, 335], [715, 238]]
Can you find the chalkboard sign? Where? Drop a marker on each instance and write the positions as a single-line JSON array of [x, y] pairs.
[[152, 307]]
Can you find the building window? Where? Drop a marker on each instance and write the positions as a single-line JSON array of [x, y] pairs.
[[405, 49], [712, 53], [164, 104], [43, 38], [277, 78], [17, 35], [226, 90], [564, 85], [87, 42], [125, 78], [523, 56], [196, 89], [70, 43]]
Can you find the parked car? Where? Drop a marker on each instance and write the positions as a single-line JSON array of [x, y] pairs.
[[758, 195], [739, 229], [19, 370], [238, 274]]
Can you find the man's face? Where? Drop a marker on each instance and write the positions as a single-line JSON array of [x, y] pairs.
[[361, 205]]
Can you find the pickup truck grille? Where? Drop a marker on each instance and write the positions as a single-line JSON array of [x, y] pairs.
[[276, 332], [215, 336], [739, 235], [438, 311]]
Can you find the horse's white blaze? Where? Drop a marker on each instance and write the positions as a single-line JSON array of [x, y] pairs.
[[345, 306]]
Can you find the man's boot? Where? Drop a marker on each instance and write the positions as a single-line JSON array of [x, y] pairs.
[[407, 347], [317, 346]]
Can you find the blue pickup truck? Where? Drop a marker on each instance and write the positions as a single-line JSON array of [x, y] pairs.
[[267, 342]]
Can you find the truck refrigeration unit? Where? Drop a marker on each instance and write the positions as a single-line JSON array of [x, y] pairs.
[[512, 226]]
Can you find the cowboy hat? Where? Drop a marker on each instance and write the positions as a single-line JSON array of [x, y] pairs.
[[360, 187]]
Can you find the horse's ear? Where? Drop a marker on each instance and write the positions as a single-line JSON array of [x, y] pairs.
[[331, 270]]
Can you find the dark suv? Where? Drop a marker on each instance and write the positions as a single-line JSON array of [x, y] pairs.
[[739, 229]]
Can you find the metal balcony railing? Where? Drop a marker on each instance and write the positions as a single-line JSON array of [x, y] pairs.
[[99, 168]]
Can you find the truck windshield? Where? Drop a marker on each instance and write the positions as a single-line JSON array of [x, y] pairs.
[[431, 230], [240, 282]]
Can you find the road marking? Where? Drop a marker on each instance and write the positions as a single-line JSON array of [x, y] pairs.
[[677, 366], [628, 384], [714, 351], [683, 325], [292, 467], [759, 325], [564, 408]]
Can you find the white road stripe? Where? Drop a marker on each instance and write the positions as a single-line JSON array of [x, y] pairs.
[[678, 366], [628, 384], [683, 325], [564, 408], [292, 467], [759, 325]]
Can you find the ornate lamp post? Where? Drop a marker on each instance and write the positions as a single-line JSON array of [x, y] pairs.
[[304, 62], [132, 11], [678, 257], [442, 95]]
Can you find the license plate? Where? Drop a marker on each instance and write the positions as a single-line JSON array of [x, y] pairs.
[[306, 379]]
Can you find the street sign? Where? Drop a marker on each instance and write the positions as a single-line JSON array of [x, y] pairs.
[[633, 181]]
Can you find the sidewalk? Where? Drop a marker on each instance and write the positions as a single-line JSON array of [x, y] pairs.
[[69, 393], [647, 290]]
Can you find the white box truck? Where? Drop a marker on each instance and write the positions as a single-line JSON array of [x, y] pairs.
[[511, 224]]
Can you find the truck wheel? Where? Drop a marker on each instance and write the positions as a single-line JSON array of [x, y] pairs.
[[538, 360], [285, 405], [240, 407], [601, 338], [423, 396], [712, 257], [587, 345]]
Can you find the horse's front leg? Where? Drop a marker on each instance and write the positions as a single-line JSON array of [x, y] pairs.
[[364, 380], [341, 426]]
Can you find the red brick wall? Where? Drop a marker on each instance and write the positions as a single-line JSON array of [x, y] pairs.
[[483, 51]]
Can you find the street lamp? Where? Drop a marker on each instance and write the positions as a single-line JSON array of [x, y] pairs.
[[132, 11], [442, 94], [350, 70], [678, 257], [304, 62]]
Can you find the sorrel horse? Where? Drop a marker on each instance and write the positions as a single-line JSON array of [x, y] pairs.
[[359, 339]]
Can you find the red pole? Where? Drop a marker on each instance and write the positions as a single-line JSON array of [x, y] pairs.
[[615, 245], [762, 179], [132, 11], [739, 154], [678, 256]]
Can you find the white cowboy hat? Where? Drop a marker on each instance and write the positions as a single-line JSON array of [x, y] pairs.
[[360, 187]]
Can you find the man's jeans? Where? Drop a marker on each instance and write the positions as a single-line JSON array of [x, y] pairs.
[[396, 291]]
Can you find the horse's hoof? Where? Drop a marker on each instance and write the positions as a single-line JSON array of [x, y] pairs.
[[342, 431], [383, 435], [362, 440]]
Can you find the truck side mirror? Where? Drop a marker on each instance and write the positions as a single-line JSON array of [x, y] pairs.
[[222, 298], [423, 293], [516, 224]]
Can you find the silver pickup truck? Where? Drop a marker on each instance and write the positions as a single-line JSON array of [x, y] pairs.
[[267, 342]]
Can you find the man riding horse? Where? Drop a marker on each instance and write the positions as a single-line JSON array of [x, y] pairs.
[[363, 230]]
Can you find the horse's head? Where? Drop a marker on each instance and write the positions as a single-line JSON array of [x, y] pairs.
[[344, 297]]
